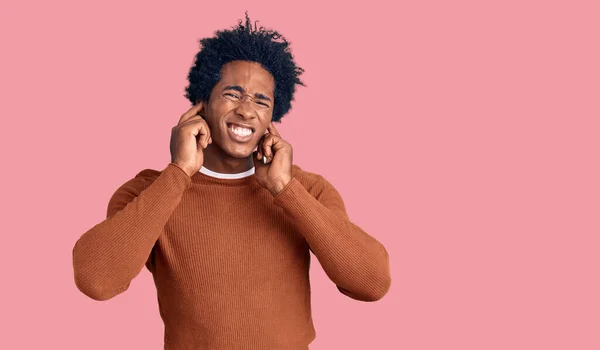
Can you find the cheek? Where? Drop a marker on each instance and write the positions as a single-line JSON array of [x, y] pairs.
[[266, 121], [214, 115], [220, 108]]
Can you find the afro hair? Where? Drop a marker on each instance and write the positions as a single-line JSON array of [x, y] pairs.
[[264, 46]]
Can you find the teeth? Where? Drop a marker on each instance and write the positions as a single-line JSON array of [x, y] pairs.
[[240, 131]]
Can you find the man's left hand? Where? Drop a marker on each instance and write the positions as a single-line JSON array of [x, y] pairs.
[[276, 173]]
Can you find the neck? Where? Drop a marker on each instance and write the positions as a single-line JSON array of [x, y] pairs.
[[216, 160]]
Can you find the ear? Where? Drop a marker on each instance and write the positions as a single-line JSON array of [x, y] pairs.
[[202, 111]]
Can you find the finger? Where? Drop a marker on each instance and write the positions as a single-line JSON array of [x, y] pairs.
[[260, 148], [265, 146], [194, 119], [204, 133], [199, 129], [272, 129], [191, 112], [194, 123], [271, 146], [258, 153], [257, 160]]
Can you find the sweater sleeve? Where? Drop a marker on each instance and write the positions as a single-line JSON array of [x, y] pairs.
[[355, 261], [109, 255]]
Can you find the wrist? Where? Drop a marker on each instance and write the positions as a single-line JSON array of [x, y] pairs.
[[279, 185], [184, 169]]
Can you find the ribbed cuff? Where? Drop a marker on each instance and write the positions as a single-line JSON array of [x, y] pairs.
[[288, 192]]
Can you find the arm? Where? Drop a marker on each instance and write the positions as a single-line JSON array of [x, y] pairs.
[[109, 255], [356, 262]]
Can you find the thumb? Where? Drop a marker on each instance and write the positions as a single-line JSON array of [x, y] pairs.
[[257, 162]]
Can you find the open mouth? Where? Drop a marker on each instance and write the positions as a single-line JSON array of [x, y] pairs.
[[239, 132]]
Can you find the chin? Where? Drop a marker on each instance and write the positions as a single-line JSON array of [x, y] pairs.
[[237, 151]]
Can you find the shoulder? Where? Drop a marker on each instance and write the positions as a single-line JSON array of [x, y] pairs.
[[321, 189], [137, 183], [304, 176], [130, 189], [148, 174], [313, 182]]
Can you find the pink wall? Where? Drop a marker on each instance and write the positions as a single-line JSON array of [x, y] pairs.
[[463, 136]]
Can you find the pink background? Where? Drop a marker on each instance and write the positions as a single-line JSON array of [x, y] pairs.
[[463, 135]]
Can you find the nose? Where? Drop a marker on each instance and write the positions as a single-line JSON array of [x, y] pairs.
[[245, 107]]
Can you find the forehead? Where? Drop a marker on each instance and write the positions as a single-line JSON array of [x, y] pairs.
[[251, 76]]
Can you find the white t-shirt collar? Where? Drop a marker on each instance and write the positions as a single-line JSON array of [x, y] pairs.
[[211, 173]]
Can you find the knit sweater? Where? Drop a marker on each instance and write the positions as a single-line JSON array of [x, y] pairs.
[[229, 260]]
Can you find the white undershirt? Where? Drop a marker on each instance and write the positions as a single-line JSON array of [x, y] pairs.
[[208, 172]]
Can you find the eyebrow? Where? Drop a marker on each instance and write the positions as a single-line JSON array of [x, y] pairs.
[[241, 89]]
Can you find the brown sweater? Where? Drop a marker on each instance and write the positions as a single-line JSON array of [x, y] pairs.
[[230, 262]]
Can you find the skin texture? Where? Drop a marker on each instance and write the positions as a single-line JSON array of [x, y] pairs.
[[188, 138], [243, 95]]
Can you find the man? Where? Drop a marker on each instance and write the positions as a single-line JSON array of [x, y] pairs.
[[226, 228]]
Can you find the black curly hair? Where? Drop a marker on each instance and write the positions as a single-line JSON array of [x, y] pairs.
[[264, 46]]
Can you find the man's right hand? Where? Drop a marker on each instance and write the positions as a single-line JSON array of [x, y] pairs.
[[189, 138]]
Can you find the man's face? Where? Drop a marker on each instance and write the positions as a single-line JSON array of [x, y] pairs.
[[240, 107]]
